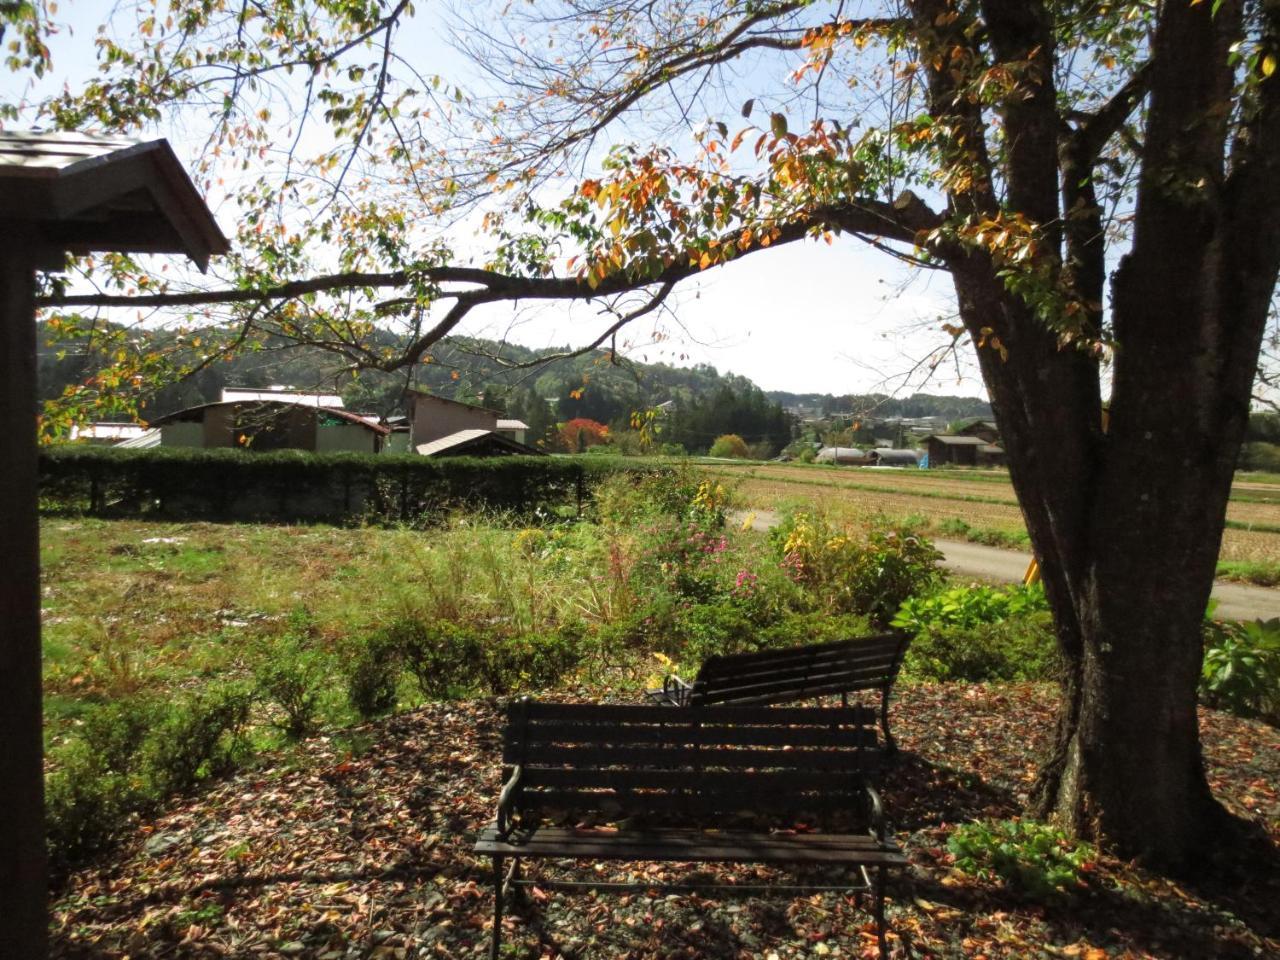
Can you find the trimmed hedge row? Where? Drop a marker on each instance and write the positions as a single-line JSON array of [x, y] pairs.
[[298, 485]]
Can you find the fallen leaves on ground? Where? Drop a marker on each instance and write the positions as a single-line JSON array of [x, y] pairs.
[[359, 846]]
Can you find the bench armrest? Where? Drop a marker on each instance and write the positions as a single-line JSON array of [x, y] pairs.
[[675, 689], [507, 801], [877, 814]]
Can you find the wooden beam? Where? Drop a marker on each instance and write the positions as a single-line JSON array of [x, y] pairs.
[[23, 868]]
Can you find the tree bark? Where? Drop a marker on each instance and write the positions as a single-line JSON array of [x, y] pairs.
[[1128, 526]]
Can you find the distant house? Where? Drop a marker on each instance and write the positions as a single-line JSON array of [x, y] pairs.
[[513, 429], [434, 420], [962, 450], [272, 420], [986, 429]]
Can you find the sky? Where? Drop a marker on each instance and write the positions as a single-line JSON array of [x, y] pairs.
[[805, 318]]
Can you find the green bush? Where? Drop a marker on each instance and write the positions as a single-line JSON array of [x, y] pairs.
[[202, 738], [450, 659], [372, 667], [131, 755], [800, 629], [296, 484], [292, 676], [729, 445], [853, 571], [968, 606], [1021, 648], [1033, 859], [1241, 670]]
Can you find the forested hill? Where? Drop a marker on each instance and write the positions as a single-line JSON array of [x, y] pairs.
[[881, 405]]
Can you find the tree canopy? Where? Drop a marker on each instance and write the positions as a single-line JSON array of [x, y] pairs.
[[1100, 179]]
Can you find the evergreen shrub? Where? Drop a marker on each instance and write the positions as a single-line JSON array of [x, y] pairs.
[[299, 485]]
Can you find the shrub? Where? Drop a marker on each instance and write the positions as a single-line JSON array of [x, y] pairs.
[[1034, 859], [297, 484], [450, 659], [968, 606], [201, 738], [1241, 670], [130, 755], [1021, 648], [799, 629], [870, 575], [373, 673], [292, 676], [729, 445], [533, 661], [717, 629]]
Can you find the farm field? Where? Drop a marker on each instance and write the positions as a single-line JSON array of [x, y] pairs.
[[973, 504]]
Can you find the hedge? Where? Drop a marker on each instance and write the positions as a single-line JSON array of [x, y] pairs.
[[297, 485]]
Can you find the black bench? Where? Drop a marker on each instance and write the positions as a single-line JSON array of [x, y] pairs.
[[645, 783], [796, 673]]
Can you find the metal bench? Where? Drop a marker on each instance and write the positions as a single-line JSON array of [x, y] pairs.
[[796, 673], [718, 784]]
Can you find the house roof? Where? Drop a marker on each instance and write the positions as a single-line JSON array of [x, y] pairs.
[[951, 440], [330, 400], [81, 192], [512, 425], [201, 408], [148, 438], [475, 441], [104, 430]]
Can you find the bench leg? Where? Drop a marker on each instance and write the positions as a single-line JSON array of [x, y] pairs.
[[498, 884], [879, 907], [890, 744]]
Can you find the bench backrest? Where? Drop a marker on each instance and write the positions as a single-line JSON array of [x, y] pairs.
[[797, 673], [623, 761]]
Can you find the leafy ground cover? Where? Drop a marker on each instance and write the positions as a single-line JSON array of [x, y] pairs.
[[358, 845]]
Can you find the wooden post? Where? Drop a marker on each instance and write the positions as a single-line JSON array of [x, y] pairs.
[[23, 870]]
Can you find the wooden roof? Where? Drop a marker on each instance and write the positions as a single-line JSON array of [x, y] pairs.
[[78, 193]]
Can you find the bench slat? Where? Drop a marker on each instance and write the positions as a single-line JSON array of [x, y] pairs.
[[873, 642], [694, 780], [777, 691], [615, 804], [688, 731], [884, 662], [708, 757], [661, 845], [590, 713]]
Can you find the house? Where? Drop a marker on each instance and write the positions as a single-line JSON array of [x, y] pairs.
[[963, 450], [282, 422], [513, 429], [986, 429], [469, 430]]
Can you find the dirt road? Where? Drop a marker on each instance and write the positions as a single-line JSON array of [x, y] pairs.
[[1236, 601]]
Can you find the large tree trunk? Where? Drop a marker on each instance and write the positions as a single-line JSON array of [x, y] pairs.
[[1127, 524]]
